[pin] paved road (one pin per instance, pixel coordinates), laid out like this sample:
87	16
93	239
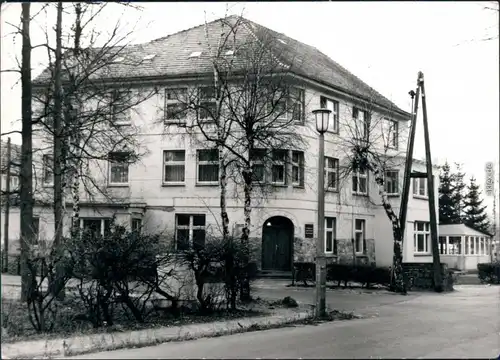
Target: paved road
462	324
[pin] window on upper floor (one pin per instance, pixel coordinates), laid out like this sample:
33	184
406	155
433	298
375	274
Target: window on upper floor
47	172
121	107
419	187
208	166
288	105
189	231
258	165
278	167
390	133
331	173
360	182
118	168
391	183
207	106
176	108
360	118
333	106
297	168
174	165
421	235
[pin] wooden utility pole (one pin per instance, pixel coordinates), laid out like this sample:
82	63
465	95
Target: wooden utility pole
438	281
7	209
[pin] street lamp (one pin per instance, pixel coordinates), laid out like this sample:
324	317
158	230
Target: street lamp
322	117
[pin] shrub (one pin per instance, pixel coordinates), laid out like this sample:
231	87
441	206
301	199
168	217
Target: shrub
367	275
304	271
118	269
489	272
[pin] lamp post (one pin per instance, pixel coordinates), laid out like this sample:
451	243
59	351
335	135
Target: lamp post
322	116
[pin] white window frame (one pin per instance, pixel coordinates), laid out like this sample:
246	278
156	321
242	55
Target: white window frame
426	232
204	163
360	122
390	133
388	180
258	160
333	231
416	188
361	231
299	165
134	221
359	175
301	94
102	220
14	182
201	100
280	163
182	93
122	117
333	117
334	170
112	163
191	227
173	163
47	168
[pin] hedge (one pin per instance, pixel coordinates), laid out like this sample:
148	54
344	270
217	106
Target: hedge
489	272
365	274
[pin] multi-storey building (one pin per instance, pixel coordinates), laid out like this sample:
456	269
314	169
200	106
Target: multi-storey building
172	189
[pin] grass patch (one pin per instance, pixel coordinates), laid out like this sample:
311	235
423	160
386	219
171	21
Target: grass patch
16	325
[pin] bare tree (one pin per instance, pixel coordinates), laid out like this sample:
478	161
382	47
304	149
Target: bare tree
373	144
248	113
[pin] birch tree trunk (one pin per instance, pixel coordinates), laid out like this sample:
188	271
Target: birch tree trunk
398	283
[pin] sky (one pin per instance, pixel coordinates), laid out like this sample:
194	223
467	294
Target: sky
383	43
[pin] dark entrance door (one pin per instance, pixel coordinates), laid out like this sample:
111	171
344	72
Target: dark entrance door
277	240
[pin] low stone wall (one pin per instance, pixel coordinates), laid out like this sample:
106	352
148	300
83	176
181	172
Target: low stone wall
14	265
421	276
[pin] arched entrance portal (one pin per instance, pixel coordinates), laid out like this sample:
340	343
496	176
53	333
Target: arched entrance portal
277	244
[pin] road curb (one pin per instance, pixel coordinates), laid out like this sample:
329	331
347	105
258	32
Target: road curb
140	338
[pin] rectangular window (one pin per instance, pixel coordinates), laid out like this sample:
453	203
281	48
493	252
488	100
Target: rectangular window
390	133
360	182
472	245
36	230
136	225
333	106
118	168
482	248
207	106
278	167
208	166
120	108
420	187
48	174
297	104
175	105
442	245
467	245
95	227
331	173
454	245
189	231
360	118
174	164
330	235
258	168
297	168
391	184
359	236
14	183
421	235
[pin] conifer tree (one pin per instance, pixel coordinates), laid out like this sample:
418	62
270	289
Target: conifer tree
458	190
448	210
475	214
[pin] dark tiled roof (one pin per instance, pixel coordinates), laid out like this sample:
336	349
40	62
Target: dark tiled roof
15	156
172	57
